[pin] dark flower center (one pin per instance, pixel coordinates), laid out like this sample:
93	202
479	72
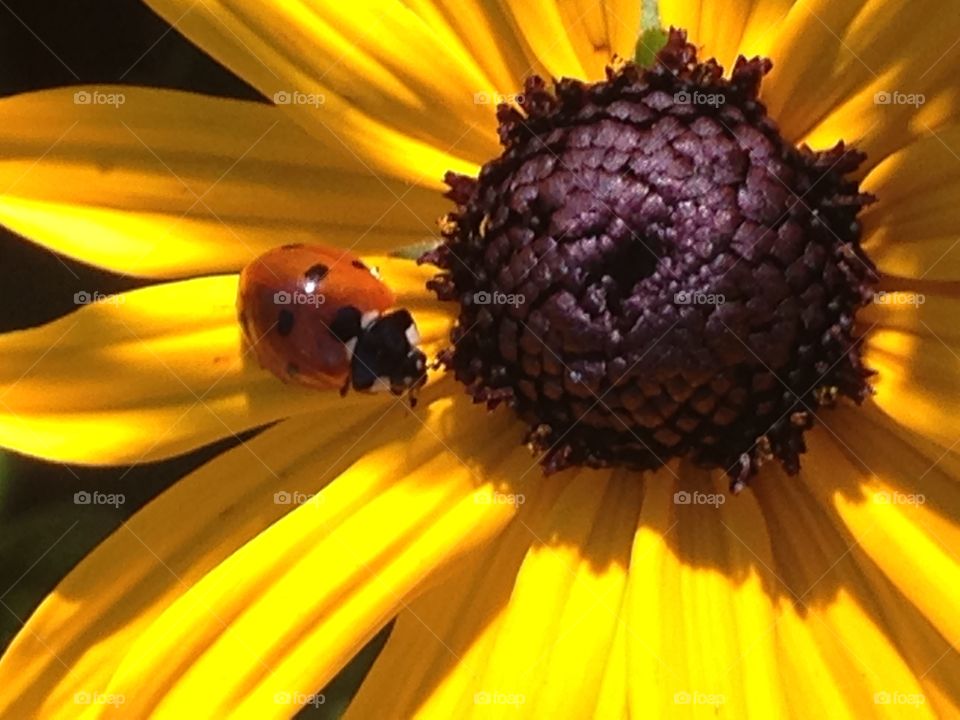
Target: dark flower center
650	270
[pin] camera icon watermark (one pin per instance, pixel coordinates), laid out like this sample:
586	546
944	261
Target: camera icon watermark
295	97
686	297
884	297
899	498
683	497
496	697
885	697
499	498
698	97
86	97
83	497
896	97
282	297
483	297
299	699
85	297
493	98
284	497
695	697
87	697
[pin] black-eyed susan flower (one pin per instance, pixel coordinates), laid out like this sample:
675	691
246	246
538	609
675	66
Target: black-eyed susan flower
663	281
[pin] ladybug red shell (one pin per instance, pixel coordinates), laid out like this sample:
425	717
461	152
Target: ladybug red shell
319	317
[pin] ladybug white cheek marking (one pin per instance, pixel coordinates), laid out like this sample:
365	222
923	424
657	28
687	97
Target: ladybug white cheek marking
381	386
367	319
413	336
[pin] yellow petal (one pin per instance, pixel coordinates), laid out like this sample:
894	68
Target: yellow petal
917	382
914	229
724	29
612	700
721	27
169	184
417	675
158	371
914	311
529	626
76	639
741	27
372	75
700	615
832	58
922	166
556	31
222	597
761	27
485	31
623	26
847	639
557	631
901	501
685	15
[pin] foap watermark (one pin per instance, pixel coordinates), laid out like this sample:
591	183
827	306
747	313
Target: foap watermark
283	497
87	697
895	697
883	297
696	697
85	97
682	497
497	697
296	97
299	699
282	297
899	498
895	97
84	497
686	297
89	298
492	98
498	298
685	97
499	498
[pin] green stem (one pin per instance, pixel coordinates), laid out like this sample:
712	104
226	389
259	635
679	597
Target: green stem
650	15
652	35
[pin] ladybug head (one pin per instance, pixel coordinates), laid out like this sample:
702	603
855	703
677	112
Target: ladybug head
384	352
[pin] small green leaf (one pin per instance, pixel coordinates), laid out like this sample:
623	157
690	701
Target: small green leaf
412	252
649	14
651	41
652	34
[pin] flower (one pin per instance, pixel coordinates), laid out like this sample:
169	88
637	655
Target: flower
245	587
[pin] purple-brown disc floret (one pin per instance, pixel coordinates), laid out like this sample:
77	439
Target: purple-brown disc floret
651	271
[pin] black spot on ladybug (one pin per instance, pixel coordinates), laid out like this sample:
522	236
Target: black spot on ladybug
346	323
359	264
285	323
316	273
291	246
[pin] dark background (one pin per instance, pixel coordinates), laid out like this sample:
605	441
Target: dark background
51	43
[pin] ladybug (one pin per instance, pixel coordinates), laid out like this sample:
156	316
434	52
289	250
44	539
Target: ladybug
318	316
